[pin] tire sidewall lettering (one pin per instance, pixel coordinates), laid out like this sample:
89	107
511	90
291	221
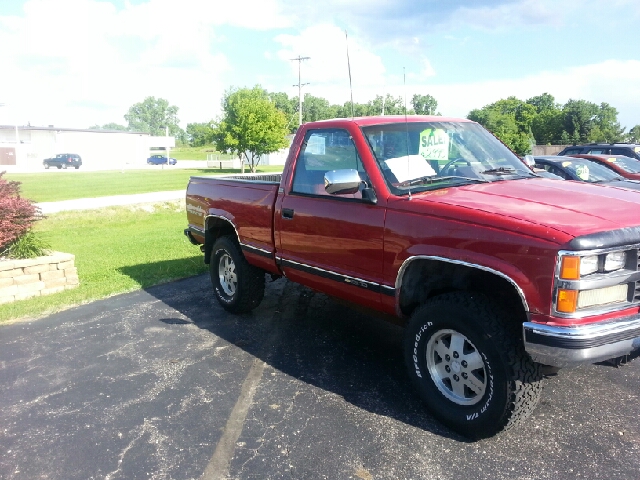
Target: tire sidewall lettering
418	336
465	413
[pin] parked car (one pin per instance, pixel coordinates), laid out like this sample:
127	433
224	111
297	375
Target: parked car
63	160
160	160
631	150
624	166
583	170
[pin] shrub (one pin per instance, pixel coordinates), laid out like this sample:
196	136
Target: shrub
28	245
16	214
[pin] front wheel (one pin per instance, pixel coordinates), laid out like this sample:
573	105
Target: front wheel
46	166
238	286
64	166
469	366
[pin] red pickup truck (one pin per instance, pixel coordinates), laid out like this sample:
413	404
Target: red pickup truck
499	276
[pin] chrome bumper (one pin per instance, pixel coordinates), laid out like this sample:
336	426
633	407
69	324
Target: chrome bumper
575	345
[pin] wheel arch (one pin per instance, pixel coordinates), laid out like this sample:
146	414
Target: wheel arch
216	226
423	277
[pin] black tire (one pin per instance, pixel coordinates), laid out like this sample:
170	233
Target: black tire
64	166
77	167
469	366
238	286
46	166
58	167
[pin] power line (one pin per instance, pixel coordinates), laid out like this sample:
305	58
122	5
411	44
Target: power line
299	59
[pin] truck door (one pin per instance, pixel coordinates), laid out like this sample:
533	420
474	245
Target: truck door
333	243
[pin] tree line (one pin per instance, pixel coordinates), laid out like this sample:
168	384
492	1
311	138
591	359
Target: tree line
520	124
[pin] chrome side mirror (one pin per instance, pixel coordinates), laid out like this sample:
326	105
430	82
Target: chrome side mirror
529	160
342	182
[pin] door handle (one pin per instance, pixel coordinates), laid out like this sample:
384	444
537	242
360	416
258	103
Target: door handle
287	213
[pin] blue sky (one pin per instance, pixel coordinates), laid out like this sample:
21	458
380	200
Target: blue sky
76	63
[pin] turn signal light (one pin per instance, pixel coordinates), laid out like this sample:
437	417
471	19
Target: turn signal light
570	268
567	301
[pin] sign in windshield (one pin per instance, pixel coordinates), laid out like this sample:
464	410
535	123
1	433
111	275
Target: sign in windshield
427	156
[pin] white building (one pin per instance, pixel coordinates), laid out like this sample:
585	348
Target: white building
24	148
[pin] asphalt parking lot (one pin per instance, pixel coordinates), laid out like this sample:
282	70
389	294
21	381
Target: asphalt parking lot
164	384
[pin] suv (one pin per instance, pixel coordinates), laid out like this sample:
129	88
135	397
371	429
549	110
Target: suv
627	149
63	160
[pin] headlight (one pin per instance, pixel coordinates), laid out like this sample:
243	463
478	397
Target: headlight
615	261
588	265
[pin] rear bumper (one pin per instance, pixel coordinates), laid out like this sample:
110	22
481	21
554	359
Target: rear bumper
189	235
575	345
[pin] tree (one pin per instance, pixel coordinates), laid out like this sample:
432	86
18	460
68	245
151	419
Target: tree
606	127
634	134
251	125
510	120
316	108
424	104
109	126
288	106
200	134
543	103
152	116
578	117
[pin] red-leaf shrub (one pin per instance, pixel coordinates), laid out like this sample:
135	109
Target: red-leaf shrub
16	214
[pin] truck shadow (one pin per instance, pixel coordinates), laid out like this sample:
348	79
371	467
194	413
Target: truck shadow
313	338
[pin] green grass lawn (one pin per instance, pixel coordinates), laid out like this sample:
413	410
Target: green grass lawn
197	153
118	249
68	185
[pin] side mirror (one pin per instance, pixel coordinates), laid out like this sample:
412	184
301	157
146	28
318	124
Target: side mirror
342	182
529	160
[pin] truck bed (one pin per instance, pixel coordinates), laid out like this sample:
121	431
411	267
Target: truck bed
246	177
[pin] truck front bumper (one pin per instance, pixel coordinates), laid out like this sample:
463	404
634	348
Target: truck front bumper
574	345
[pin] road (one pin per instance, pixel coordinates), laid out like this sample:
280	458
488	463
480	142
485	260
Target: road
164	384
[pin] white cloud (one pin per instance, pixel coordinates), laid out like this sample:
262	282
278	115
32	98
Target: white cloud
614	82
80	62
327	70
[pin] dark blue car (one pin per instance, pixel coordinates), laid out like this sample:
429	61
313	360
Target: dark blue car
160	160
583	170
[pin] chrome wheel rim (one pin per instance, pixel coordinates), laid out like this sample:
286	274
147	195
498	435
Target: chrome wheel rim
456	367
227	274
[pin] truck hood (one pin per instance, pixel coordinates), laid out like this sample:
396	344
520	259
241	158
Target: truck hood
556	210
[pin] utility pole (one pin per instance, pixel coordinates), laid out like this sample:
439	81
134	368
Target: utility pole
299	59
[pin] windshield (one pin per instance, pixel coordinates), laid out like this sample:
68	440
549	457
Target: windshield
590	171
628	164
426	156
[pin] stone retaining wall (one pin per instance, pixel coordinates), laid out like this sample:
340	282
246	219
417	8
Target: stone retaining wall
22	279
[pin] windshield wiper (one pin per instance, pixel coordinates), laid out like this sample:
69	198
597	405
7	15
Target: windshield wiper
500	170
430	179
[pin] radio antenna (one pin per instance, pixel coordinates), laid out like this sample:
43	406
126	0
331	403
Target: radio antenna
346	37
406	126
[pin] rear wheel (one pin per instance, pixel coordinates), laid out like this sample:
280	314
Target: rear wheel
46	166
64	166
469	366
238	286
58	167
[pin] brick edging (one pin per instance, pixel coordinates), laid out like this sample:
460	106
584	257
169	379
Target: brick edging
33	277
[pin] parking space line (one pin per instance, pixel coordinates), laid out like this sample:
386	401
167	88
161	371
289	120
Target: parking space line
218	467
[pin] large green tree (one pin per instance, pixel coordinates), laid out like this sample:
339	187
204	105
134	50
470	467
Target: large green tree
152	116
250	126
634	134
546	125
510	120
200	134
424	104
